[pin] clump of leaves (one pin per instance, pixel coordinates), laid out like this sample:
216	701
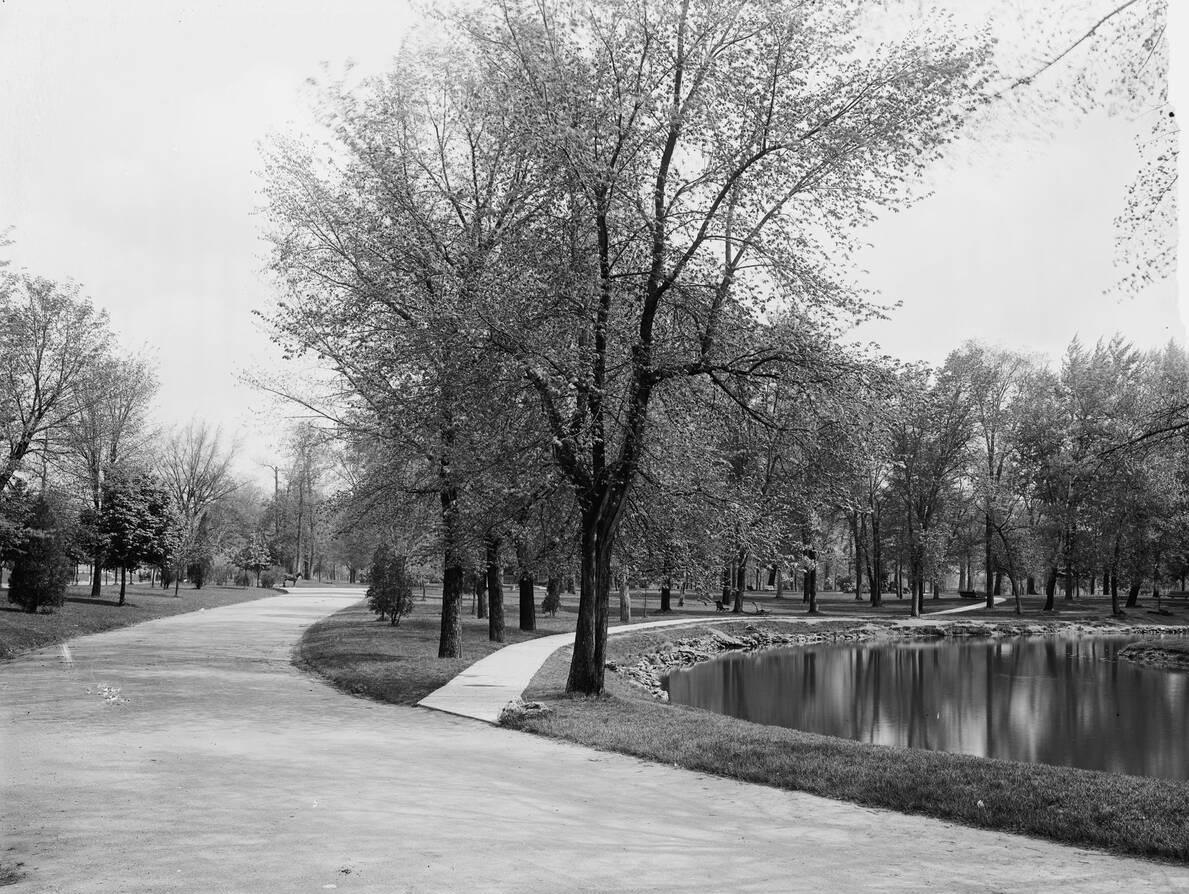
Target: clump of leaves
390	593
42	570
552	601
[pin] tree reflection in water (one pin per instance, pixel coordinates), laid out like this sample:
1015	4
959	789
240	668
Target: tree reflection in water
1053	701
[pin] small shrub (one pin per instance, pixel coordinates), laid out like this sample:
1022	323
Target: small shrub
221	572
242	578
551	603
391	592
42	570
268	579
198	572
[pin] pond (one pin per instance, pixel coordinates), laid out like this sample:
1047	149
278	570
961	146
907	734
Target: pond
1042	700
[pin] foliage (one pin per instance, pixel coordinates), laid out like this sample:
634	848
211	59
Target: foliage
42	569
390	591
252	557
552	602
136	520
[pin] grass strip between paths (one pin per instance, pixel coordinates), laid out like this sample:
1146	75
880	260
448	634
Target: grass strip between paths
1126	814
355	652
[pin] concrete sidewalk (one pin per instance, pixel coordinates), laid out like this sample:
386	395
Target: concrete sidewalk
484	689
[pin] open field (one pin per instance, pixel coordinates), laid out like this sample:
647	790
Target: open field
21	631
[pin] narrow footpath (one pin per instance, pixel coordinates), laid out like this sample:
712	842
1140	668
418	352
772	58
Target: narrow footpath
189	755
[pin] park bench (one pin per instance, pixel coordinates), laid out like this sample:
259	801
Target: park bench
290	577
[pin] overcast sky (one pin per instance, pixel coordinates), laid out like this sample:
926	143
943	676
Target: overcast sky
129	146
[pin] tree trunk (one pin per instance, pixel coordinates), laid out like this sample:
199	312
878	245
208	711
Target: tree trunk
625	599
740	582
1133	593
988	533
728	575
998	589
495	592
666	594
481	596
450	638
450	635
590	636
528	602
1115	577
123	581
811	581
858	541
96	581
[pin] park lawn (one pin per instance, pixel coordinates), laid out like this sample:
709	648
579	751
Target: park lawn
21	631
357	653
1126	814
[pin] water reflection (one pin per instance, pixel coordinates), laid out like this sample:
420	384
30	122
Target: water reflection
1052	701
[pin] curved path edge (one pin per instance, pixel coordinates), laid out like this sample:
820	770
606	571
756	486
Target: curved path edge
484	689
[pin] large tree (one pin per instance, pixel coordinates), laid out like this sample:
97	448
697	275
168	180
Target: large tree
51	343
716	157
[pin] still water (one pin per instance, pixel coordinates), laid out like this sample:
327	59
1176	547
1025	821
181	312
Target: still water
1052	701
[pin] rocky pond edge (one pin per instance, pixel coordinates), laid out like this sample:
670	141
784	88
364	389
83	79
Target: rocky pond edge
650	670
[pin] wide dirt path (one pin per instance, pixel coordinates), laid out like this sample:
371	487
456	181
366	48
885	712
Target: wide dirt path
187	754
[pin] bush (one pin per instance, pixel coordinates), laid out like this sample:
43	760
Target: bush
243	579
268	579
551	603
42	570
391	592
198	572
221	572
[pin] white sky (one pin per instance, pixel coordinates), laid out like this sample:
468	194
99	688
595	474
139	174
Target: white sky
129	146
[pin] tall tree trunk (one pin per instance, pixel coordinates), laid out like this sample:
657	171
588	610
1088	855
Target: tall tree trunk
779	582
1115	577
594	580
528	601
988	533
450	636
96	581
495	592
481	595
666	594
740	581
625	599
123	581
858	543
811	581
1133	593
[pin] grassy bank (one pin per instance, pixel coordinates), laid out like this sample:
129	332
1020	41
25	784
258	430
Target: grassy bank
21	631
1172	654
1126	814
355	652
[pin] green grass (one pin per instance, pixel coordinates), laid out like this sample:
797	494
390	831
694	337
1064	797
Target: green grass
359	654
21	631
1125	814
1172	654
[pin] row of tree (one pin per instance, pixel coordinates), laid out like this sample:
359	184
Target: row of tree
577	275
86	478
